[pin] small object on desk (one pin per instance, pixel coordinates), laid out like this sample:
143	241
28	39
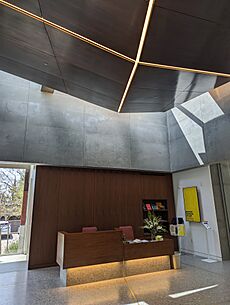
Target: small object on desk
136	241
177	228
173	230
159	237
89	229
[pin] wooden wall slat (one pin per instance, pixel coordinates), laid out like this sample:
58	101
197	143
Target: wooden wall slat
45	218
68	198
76	200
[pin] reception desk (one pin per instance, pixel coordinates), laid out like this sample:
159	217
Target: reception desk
103	255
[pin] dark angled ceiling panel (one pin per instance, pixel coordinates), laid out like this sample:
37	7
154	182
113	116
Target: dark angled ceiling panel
93	96
91	80
34	58
85	56
62	62
159	90
193	34
181	40
115	24
155	88
217	11
37	76
29	5
23	30
90	73
25	49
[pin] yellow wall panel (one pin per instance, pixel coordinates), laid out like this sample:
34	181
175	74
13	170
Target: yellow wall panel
191	204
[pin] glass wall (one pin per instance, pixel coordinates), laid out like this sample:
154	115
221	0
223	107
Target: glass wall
13	206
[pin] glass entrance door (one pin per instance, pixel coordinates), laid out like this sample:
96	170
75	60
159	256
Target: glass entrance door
13	207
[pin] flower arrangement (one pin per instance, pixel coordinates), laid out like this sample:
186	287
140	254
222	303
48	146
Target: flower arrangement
153	224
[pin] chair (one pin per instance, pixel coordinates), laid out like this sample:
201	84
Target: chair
127	232
89	229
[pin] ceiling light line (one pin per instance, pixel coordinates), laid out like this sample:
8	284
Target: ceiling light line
176	68
104	48
66	31
136	61
139	51
132	74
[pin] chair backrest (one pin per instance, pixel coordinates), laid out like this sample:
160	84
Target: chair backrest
89	229
127	232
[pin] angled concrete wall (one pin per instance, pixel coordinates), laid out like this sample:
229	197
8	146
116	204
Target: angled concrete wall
199	130
62	130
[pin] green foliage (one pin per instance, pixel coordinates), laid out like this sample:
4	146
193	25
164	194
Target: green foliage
13	247
11	191
153	224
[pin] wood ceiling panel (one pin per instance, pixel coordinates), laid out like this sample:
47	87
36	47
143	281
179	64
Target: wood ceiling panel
181	40
217	11
91	80
159	90
34	58
37	76
93	96
87	57
192	34
154	78
23	30
30	5
115	24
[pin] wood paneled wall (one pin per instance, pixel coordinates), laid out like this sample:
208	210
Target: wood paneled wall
66	199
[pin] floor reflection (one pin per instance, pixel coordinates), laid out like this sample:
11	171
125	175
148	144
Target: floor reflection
195	283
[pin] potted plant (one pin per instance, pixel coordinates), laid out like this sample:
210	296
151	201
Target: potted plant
153	224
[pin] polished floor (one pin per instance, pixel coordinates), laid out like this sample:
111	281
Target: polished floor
12	258
43	287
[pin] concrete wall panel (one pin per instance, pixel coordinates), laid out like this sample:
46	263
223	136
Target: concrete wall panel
62	130
217	138
203	137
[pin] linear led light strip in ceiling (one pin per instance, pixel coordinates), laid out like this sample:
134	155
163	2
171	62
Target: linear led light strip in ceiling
139	51
154	65
66	31
102	47
113	52
161	66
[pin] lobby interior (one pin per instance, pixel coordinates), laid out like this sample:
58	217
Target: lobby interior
113	110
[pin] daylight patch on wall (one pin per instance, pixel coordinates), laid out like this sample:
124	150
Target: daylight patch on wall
192	132
203	107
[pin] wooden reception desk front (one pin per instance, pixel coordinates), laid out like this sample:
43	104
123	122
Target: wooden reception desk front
103	255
